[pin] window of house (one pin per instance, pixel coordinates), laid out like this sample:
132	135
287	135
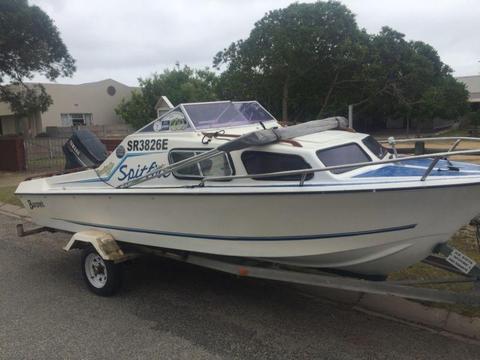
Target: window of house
217	166
76	119
342	155
262	162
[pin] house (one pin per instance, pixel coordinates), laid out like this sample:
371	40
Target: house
473	87
83	104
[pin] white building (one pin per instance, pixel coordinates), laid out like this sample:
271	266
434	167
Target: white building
83	104
473	87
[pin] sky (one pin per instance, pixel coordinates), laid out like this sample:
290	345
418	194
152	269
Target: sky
128	39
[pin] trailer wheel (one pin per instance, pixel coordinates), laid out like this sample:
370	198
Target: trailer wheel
102	277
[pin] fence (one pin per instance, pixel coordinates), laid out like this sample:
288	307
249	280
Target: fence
102	131
12	154
42	154
46	154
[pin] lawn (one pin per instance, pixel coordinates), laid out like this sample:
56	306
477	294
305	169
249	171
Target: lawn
465	241
7	195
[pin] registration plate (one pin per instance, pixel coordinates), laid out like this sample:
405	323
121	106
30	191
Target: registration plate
461	261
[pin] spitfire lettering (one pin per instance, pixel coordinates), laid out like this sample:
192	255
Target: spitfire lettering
147	145
134	173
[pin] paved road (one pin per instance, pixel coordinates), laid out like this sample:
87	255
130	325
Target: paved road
175	311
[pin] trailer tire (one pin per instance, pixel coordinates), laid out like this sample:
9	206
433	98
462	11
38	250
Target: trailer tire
102	277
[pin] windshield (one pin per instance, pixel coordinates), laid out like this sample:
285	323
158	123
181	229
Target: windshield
375	147
220	114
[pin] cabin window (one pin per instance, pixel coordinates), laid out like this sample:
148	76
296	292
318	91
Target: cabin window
219	165
375	147
261	162
342	155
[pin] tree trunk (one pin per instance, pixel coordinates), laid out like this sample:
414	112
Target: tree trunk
408	124
329	93
285	101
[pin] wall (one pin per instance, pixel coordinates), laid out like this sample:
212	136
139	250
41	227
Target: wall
8	125
90	98
111	144
13	154
102	131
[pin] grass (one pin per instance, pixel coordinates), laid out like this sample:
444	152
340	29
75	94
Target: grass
465	241
455	132
7	195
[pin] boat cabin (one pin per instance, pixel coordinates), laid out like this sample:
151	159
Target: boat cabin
192	129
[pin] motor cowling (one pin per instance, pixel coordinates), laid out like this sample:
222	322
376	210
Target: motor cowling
84	149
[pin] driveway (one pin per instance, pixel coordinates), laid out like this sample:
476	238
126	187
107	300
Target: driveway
169	310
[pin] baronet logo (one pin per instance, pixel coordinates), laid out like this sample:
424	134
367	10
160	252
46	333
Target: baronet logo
35	204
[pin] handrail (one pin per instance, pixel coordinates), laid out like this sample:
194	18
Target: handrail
441	138
392	142
338	167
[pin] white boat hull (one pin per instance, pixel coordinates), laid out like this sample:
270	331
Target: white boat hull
364	231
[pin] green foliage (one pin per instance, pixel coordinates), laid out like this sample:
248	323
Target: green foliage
411	82
293	55
179	85
29	44
26	99
308	61
311	60
474	118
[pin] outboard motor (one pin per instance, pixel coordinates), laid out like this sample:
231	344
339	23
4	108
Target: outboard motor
84	149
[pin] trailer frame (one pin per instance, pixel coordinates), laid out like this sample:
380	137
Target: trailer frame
445	257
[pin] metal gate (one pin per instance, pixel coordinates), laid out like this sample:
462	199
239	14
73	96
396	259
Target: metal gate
44	154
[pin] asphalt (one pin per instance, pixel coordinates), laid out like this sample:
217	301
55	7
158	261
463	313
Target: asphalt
168	310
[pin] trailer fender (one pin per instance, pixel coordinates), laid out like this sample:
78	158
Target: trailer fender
103	242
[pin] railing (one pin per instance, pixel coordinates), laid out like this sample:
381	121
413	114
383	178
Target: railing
304	172
392	141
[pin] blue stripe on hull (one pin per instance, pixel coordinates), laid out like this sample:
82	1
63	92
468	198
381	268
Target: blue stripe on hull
245	238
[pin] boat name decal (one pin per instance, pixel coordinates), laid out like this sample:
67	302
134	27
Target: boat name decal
35	204
134	173
147	145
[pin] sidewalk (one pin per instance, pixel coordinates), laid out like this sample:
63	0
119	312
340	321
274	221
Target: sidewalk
14	210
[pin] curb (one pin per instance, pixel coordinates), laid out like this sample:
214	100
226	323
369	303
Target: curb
14	210
443	321
395	308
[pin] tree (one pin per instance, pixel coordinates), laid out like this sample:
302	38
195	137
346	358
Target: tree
29	44
408	80
309	61
300	54
180	85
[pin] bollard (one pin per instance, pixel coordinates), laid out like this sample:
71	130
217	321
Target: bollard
419	147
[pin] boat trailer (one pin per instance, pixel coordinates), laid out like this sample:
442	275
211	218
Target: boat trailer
103	256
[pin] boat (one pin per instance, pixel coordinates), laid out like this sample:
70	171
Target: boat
226	178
